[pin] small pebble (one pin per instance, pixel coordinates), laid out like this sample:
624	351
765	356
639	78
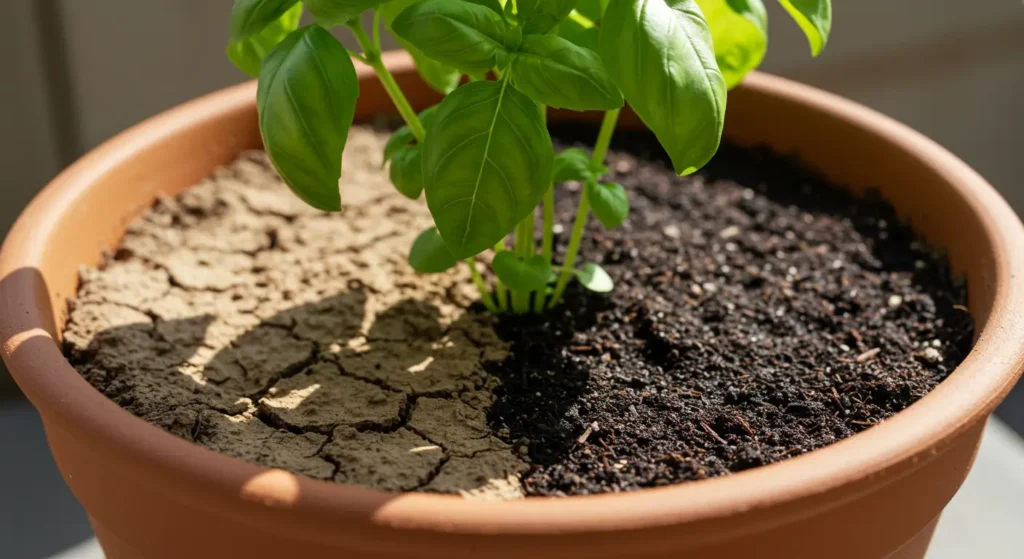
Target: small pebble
895	301
931	355
672	232
729	232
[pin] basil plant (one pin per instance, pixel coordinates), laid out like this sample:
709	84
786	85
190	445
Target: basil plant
482	158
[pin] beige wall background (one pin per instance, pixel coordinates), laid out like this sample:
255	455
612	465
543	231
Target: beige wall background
79	71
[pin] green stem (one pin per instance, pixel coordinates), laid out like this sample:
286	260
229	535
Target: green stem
547	242
485	295
376	30
372	55
529	241
521	299
501	290
604	139
581	19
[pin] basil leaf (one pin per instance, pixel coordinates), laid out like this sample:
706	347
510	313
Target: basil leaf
739	30
594	278
572	164
429	254
557	73
404	136
494	5
609	203
407	171
439	77
401	139
815	19
578	29
486	164
306	100
463	35
330	13
660	54
248	53
540	16
579	34
592	9
250	17
519	275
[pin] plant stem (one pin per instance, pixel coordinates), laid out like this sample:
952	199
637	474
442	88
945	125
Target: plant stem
376	30
485	295
521	299
372	55
501	290
548	233
581	19
604	139
547	244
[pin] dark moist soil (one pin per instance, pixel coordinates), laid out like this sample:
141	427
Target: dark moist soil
759	313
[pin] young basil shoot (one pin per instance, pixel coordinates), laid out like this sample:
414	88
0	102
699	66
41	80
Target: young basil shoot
483	157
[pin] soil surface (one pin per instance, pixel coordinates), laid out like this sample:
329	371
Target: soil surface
759	313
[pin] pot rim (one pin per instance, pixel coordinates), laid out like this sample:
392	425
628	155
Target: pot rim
767	495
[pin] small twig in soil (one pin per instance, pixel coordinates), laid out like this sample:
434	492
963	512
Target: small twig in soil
746	426
583	438
868	355
835	396
712	432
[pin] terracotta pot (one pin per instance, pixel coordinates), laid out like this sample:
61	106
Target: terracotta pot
151	494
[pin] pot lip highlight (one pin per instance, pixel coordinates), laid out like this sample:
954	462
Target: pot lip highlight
749	501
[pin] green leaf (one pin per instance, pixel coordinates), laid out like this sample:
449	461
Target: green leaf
509	13
579	34
578	29
429	254
572	164
739	30
407	171
494	5
330	13
401	139
404	137
519	275
609	203
248	53
540	16
594	278
463	35
660	54
815	19
442	78
306	100
592	9
553	71
486	164
250	17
